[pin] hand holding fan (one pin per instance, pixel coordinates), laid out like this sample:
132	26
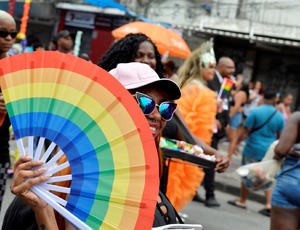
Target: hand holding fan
98	127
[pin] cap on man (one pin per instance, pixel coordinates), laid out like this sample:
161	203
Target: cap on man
64	42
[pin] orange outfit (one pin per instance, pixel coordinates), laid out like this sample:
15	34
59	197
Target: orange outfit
198	105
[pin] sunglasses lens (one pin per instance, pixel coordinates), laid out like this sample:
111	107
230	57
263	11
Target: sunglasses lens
4	34
13	34
167	110
147	104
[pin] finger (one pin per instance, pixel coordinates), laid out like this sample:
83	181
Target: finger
21	160
26	165
28	184
20	185
222	166
21	175
221	169
27	174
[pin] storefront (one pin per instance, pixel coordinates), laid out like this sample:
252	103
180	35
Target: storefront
95	23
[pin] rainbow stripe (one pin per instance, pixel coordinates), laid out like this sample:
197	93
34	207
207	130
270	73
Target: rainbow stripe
226	87
90	116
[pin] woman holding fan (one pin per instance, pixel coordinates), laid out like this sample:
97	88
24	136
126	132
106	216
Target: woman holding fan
155	97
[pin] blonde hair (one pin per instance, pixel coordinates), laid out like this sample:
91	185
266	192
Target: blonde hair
191	69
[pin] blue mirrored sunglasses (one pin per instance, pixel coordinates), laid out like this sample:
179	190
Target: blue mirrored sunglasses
147	105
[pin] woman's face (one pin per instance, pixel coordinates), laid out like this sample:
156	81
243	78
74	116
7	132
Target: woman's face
258	85
6	43
66	43
288	100
156	122
146	54
208	73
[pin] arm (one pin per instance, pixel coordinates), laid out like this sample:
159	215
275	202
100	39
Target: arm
288	137
24	179
208	149
45	219
222	161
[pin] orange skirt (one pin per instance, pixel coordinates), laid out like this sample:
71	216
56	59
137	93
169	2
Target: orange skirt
183	182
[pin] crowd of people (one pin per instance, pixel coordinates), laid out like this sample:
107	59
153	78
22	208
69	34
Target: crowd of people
206	114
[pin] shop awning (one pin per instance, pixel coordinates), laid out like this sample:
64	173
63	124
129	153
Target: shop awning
89	8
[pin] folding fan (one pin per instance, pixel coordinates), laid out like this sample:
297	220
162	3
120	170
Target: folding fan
100	129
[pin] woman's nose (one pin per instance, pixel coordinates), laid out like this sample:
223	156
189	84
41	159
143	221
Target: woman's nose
146	60
156	113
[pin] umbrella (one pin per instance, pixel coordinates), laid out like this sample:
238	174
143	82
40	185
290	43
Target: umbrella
98	127
165	39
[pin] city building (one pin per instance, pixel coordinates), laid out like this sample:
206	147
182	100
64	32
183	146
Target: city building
262	36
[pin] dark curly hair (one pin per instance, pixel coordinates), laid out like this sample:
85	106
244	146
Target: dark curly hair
124	51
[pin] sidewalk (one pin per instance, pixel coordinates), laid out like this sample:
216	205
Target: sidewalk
229	181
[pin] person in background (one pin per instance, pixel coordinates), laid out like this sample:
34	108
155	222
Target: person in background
8	33
285	198
85	56
198	106
255	98
170	70
285	106
263	126
133	47
38	46
240	97
52	45
64	42
225	69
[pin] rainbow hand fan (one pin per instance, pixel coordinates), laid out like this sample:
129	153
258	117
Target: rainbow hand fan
100	129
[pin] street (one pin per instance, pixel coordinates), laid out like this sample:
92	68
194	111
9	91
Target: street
225	217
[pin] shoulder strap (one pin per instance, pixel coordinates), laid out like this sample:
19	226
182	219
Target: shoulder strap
176	213
262	125
187	136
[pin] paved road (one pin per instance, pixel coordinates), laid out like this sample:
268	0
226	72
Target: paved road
227	217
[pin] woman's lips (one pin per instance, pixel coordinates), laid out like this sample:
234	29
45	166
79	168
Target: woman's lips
154	128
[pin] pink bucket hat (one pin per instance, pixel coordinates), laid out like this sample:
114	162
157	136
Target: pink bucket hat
135	75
